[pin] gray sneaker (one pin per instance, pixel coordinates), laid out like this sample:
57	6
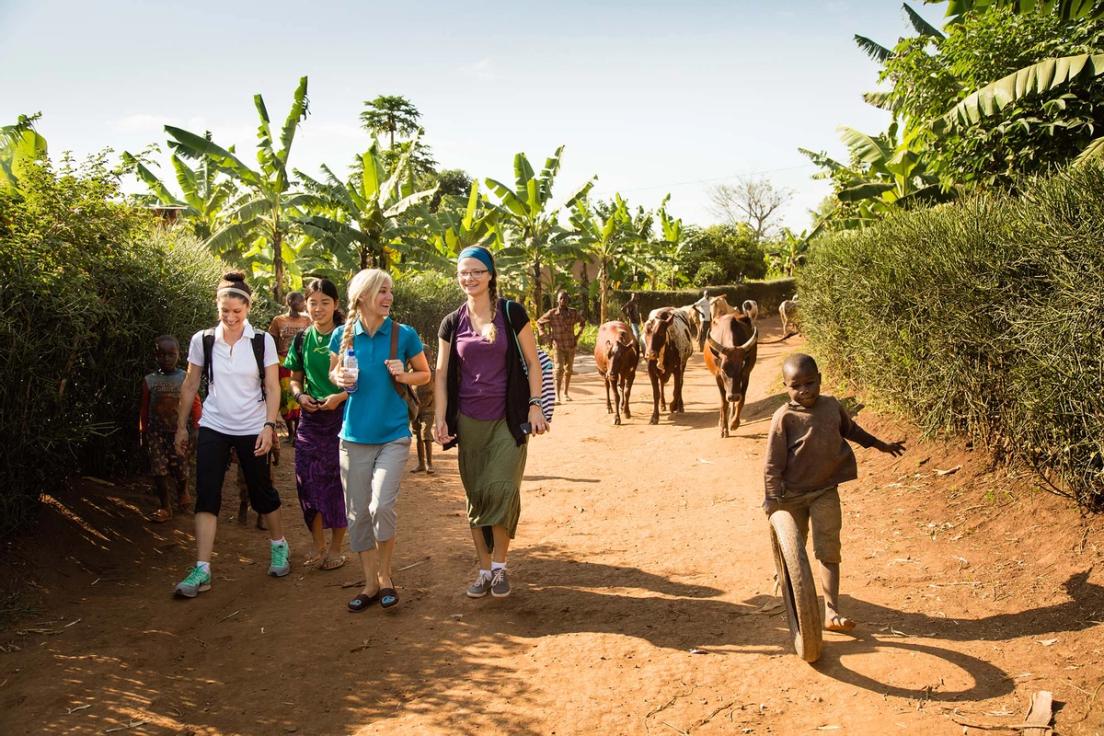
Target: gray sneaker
197	582
281	561
500	583
480	588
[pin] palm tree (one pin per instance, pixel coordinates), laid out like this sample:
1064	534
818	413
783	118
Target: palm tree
390	115
365	212
263	217
204	193
528	211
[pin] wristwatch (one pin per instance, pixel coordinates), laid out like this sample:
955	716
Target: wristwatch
270	424
535	401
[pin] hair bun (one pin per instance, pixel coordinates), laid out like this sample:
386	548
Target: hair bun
234	276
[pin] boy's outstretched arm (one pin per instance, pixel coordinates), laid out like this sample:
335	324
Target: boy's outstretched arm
850	429
774	466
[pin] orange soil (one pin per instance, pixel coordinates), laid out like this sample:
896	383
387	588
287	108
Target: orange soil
642	601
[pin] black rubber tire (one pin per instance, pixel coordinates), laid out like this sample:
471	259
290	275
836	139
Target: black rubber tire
795	578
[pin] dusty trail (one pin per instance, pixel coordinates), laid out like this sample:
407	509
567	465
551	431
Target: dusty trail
641	573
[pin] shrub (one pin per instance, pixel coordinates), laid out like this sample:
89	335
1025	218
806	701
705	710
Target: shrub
984	318
91	282
423	300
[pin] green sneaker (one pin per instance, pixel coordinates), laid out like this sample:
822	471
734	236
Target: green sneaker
198	581
281	560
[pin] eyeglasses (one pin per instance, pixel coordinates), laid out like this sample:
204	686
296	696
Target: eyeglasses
475	273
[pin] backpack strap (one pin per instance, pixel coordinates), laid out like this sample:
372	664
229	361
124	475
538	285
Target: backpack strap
297	348
399	389
208	350
259	354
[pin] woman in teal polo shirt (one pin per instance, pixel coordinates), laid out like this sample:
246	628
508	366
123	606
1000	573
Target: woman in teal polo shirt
375	434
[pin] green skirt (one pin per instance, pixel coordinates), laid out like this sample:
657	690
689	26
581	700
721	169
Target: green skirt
491	468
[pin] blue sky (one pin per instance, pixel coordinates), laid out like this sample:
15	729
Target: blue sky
653	97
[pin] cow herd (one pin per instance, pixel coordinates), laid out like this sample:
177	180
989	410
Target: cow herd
729	346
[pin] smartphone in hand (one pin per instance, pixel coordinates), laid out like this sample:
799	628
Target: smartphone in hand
526	428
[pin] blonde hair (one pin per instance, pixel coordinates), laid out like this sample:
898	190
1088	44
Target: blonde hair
365	286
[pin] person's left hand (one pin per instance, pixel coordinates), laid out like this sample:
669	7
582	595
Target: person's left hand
896	449
537	420
332	402
264	441
395	367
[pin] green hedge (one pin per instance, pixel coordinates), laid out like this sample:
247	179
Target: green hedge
90	283
769	294
985	318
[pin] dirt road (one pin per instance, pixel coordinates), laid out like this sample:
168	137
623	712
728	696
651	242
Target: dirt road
642	602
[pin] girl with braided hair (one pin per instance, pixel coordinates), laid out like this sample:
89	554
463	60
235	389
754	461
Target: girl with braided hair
375	431
486	404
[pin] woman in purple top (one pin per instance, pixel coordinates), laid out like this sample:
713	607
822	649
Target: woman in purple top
487	398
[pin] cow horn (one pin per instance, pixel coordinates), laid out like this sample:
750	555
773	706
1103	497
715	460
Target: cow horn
751	341
714	345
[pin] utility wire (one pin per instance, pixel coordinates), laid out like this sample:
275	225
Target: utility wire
710	180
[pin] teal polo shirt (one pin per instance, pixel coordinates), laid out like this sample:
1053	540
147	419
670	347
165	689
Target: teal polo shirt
374	413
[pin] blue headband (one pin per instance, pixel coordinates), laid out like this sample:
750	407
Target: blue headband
479	253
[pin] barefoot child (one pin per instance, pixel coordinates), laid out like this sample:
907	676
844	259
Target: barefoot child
807	458
157	426
422	424
284	328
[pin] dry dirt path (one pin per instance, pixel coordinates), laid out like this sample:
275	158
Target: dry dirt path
641	572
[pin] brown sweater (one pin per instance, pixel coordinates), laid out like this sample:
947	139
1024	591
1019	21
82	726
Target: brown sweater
807	449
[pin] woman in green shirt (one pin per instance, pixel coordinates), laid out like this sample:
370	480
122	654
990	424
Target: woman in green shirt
317	468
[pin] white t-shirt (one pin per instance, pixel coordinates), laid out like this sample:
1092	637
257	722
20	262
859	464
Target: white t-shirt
233	404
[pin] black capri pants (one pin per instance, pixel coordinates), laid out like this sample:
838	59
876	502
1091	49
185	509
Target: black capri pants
212	457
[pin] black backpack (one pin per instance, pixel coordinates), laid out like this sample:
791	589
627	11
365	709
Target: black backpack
258	353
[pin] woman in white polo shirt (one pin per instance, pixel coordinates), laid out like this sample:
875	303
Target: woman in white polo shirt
240	412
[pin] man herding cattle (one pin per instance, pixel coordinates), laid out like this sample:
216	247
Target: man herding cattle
561	322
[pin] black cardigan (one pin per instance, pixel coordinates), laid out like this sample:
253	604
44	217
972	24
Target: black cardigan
517	383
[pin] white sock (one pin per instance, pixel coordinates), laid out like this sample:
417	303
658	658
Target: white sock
485	574
497	566
278	542
205	566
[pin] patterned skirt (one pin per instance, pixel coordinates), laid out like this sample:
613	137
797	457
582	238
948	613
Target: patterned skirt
289	407
317	468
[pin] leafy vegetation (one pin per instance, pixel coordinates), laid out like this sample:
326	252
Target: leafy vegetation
985	318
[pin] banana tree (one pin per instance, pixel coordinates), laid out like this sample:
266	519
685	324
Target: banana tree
453	230
1067	9
610	241
20	144
265	216
527	210
204	191
367	211
791	251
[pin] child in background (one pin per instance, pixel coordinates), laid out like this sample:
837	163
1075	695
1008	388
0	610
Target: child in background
283	329
422	424
807	458
157	427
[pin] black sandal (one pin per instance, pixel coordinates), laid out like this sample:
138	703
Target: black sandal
362	601
388	597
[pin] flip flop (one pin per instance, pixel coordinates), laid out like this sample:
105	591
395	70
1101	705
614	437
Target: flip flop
846	625
362	602
332	563
388	597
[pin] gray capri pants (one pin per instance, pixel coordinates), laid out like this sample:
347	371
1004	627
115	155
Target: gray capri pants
370	475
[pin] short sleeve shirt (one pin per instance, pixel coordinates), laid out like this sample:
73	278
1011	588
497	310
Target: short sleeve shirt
314	363
375	413
234	405
164	399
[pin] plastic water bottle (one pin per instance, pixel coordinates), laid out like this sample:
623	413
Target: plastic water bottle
352	369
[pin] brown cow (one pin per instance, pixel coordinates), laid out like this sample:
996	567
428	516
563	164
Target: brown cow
730	353
616	354
667	348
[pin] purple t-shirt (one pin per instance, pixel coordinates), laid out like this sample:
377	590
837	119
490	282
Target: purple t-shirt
482	369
